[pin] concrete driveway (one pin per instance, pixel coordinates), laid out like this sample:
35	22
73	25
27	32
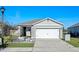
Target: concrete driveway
52	45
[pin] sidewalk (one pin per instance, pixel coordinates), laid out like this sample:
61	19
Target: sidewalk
16	50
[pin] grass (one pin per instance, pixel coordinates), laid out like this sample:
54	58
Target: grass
20	45
74	42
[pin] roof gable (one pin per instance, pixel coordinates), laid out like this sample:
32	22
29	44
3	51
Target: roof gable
36	21
48	19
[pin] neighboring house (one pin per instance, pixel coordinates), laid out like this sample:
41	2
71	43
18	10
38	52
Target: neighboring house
41	28
12	32
74	30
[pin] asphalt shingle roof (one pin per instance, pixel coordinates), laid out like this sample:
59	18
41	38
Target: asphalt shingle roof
30	22
75	25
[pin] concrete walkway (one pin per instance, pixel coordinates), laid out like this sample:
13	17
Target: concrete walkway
52	45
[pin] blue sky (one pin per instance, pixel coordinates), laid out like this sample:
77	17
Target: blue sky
68	15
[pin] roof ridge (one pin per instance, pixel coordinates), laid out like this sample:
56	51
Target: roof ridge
35	21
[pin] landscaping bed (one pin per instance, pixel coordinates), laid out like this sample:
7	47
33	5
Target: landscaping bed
74	42
8	42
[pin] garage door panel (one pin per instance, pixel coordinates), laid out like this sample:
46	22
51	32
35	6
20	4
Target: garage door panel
47	33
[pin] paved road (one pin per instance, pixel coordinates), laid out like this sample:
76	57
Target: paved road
49	45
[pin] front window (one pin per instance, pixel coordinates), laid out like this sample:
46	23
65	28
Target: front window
28	29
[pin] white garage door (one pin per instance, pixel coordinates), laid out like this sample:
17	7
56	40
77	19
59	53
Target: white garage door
47	33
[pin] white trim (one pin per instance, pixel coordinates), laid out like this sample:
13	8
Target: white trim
54	20
49	19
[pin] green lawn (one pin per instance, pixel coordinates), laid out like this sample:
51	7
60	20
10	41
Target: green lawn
74	42
20	45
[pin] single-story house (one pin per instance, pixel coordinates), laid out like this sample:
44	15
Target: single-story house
41	28
74	30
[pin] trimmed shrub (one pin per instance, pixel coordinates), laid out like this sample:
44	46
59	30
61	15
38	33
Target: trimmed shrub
7	39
